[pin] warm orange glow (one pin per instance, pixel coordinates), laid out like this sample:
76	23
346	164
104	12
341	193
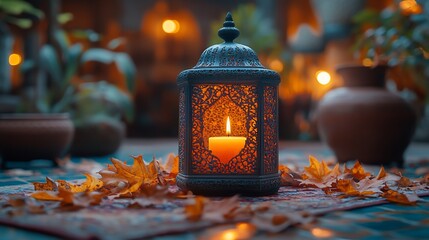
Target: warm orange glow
410	7
367	62
226	147
276	65
323	77
321	233
228	127
170	26
14	59
229	235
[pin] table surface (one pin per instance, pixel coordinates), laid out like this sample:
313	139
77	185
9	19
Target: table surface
385	221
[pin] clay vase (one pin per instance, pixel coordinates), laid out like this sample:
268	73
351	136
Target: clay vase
25	137
363	121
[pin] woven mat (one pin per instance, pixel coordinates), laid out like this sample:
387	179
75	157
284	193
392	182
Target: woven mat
115	221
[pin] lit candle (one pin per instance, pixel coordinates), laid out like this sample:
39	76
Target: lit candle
226	147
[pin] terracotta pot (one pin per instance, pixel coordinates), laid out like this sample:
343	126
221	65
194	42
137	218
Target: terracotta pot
362	121
25	137
97	138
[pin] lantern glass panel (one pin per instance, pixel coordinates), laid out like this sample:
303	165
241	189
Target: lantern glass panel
212	104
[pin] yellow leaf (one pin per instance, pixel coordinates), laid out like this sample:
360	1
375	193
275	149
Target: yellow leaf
46	196
48	186
91	184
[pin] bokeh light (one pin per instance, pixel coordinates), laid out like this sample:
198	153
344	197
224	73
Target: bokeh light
276	65
170	26
15	59
323	77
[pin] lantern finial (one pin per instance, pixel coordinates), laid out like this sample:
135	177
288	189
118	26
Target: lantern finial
228	32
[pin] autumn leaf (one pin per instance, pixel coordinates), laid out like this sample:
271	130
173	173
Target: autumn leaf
381	174
357	171
50	185
46	196
401	198
319	174
171	166
365	187
288	177
405	182
91	184
215	211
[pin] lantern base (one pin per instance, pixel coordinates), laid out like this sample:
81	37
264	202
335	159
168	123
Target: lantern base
221	185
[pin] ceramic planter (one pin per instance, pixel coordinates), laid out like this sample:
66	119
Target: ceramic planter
364	121
25	137
98	138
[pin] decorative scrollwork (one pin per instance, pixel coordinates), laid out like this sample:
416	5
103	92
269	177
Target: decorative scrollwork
270	130
182	128
241	102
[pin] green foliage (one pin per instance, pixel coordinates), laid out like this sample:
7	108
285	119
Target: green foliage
100	99
256	31
10	11
89	98
396	38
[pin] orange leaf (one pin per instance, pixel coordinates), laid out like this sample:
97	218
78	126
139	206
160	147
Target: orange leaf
194	211
172	164
397	197
381	174
46	196
357	171
405	182
288	177
319	174
91	184
48	186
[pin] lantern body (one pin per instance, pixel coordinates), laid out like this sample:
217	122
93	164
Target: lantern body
228	85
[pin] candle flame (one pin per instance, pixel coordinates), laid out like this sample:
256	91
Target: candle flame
228	127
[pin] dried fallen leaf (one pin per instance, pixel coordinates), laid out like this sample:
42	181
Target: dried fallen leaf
288	177
401	198
46	196
405	182
357	171
50	185
319	174
215	211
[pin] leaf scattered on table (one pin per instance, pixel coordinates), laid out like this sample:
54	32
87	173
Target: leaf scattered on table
50	185
401	198
357	171
319	174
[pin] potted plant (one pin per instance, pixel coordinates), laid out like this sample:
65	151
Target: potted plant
61	95
96	107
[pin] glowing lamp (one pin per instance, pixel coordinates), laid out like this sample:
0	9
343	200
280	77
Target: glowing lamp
228	121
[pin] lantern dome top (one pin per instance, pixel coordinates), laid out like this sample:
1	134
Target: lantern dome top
228	53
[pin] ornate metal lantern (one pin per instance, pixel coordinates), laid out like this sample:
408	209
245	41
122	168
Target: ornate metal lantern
228	121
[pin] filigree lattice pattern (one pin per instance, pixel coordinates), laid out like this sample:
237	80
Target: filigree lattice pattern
182	128
214	119
203	98
270	130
